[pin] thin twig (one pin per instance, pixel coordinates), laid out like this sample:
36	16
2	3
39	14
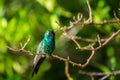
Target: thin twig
108	40
99	73
115	15
105	75
67	70
20	50
88	60
87	39
90	14
72	38
100	23
64	59
99	40
68	35
26	43
74	63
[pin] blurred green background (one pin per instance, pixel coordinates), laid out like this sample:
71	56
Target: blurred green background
20	19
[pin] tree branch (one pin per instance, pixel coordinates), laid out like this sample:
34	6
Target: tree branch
104	75
67	70
74	63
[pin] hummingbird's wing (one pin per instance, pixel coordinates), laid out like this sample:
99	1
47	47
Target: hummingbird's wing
37	62
39	58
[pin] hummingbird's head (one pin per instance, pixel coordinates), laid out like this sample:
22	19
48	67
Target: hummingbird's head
49	35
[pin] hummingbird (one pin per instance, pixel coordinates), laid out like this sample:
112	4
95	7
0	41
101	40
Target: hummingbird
45	47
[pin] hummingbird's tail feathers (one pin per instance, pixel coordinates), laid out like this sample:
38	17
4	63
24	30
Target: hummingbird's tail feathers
37	64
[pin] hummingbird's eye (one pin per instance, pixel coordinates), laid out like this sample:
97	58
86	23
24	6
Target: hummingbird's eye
50	33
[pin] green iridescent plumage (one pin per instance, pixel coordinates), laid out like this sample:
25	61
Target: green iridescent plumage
46	46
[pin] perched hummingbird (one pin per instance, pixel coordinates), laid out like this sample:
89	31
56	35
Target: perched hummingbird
46	46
